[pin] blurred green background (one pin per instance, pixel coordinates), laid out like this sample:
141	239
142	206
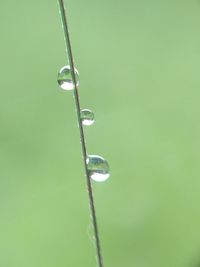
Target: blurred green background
139	65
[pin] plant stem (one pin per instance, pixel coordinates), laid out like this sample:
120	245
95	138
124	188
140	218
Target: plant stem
82	138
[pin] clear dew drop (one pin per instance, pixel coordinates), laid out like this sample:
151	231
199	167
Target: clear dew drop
87	117
98	168
65	78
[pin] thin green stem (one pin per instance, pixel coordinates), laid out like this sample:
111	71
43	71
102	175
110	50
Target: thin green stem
82	138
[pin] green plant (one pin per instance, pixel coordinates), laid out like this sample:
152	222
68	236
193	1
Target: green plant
96	167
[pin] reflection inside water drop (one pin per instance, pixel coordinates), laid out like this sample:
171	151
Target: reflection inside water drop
65	78
98	168
87	117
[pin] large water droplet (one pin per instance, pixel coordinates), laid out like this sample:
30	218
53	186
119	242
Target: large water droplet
65	78
98	168
87	117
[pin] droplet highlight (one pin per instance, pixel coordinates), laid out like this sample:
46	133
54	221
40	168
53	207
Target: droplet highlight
65	78
98	168
87	117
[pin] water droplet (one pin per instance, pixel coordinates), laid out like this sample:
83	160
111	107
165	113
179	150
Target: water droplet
65	78
87	117
98	168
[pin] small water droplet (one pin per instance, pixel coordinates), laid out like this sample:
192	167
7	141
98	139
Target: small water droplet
98	168
87	117
65	78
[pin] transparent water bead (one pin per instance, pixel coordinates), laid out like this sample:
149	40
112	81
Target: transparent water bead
98	168
65	78
87	117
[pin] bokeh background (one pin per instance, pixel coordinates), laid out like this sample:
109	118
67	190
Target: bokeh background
139	65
